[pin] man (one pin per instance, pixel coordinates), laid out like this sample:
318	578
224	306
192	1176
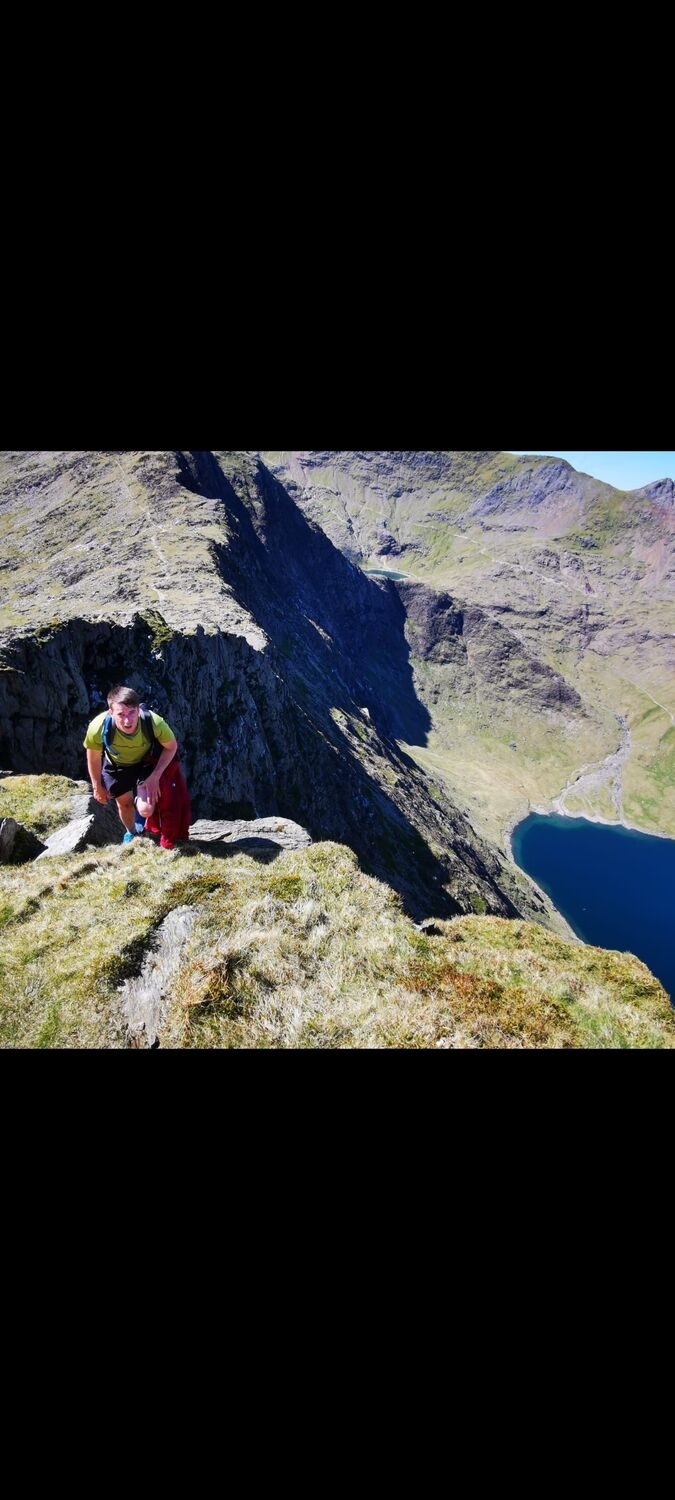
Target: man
115	768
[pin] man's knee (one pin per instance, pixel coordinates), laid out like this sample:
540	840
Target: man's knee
125	801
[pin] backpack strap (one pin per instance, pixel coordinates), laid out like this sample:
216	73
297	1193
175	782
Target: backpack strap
156	745
148	728
107	731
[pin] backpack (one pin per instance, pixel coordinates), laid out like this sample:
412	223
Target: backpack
147	730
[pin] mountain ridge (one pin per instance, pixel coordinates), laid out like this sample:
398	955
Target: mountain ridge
281	695
292	680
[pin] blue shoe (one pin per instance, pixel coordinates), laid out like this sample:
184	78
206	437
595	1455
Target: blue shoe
128	837
139	824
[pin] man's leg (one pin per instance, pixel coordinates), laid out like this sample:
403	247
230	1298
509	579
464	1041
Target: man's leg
127	811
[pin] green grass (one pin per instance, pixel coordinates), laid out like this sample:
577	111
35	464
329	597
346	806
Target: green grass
41	803
159	630
306	952
662	767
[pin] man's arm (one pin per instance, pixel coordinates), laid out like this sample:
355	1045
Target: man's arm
94	761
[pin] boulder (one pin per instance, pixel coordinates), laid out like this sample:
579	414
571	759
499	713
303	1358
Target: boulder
8	832
93	825
71	839
17	844
145	999
267	830
107	824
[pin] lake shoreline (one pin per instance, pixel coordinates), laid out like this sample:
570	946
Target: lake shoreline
550	811
615	892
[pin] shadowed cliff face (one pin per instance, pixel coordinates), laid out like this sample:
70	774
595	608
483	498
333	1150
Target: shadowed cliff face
478	655
285	699
216	692
341	632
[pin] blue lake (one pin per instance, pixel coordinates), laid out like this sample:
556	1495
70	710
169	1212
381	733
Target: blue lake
615	887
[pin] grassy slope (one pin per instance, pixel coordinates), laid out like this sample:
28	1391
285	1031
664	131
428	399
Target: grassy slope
40	803
634	681
302	952
621	675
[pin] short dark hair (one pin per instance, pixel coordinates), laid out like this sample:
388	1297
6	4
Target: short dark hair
126	695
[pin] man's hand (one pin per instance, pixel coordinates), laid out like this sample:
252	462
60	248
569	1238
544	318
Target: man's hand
101	794
152	788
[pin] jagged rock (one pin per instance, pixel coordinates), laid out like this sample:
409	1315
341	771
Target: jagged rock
144	998
71	839
478	653
8	830
17	844
662	491
108	828
272	830
92	826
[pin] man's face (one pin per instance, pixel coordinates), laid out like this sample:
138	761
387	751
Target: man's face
124	717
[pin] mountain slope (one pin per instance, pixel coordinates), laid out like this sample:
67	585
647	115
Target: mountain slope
581	575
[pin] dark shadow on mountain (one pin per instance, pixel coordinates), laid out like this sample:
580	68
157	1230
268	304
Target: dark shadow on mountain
311	600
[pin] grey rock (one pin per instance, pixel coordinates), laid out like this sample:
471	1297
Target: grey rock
144	999
17	844
93	826
662	491
108	827
71	839
272	830
8	831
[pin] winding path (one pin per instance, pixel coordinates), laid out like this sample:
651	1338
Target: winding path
667	711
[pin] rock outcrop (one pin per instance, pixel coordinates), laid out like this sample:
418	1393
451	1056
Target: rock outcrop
18	844
144	999
209	833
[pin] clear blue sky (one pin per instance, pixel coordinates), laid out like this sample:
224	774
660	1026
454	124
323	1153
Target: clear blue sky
626	470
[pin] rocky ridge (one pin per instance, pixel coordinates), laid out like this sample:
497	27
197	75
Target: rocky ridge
284	671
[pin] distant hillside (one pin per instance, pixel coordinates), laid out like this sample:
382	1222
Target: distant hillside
582	577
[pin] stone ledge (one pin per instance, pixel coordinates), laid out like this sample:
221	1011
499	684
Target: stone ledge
279	831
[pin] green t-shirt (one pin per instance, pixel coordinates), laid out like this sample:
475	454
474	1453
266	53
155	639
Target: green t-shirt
126	749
